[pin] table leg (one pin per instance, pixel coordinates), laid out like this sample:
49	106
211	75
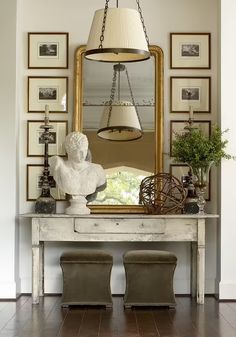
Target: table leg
201	262
35	260
193	269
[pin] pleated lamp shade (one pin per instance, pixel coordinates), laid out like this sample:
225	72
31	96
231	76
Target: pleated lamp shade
124	38
123	124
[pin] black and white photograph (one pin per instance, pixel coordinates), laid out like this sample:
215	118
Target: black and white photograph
52	138
57	135
48	93
50	90
186	92
190	50
190	94
48	50
34	184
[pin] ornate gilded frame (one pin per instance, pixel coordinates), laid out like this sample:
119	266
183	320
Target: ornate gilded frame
157	53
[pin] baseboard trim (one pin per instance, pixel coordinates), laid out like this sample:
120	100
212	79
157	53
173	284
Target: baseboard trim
227	291
113	295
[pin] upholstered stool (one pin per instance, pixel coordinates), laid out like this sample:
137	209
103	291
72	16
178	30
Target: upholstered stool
86	277
149	278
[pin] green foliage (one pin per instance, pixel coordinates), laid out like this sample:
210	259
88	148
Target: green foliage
122	189
198	150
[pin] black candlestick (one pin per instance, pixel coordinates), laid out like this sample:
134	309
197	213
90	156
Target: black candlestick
46	203
190	206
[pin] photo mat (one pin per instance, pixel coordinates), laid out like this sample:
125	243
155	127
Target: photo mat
35	144
190	92
190	50
48	50
52	91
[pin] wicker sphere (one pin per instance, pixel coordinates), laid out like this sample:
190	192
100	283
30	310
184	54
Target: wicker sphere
162	194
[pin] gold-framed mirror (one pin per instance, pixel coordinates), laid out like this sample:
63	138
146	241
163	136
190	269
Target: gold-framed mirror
86	108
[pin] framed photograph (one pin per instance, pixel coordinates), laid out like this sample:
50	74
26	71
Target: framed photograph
52	91
48	50
190	50
190	92
181	170
34	184
35	145
178	127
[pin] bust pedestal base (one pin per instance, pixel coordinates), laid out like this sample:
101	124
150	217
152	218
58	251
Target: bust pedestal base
78	206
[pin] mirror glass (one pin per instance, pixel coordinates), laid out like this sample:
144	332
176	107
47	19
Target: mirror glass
126	162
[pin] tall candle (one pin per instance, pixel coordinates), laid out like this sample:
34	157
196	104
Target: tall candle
47	111
190	112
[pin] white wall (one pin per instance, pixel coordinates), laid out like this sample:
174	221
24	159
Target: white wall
161	18
228	183
8	151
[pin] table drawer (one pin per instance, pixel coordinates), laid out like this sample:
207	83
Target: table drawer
121	226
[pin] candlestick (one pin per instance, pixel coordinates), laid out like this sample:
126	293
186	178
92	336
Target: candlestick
45	202
46	114
190	112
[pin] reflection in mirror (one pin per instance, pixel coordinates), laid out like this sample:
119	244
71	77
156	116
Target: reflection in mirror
126	162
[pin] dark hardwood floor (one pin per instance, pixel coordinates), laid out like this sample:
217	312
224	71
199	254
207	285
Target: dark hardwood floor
48	319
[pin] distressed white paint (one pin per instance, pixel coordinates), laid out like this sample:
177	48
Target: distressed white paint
65	229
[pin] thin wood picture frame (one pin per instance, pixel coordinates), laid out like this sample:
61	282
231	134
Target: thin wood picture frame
48	50
35	145
190	50
190	91
177	126
33	184
47	90
179	170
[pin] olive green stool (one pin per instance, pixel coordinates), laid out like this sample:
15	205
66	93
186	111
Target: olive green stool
149	278
86	277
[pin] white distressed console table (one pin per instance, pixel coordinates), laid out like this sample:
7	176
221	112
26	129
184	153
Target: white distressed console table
124	228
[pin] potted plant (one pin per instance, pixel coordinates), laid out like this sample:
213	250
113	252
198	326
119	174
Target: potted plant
200	152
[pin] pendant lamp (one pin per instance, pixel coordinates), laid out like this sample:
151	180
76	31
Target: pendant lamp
118	35
120	120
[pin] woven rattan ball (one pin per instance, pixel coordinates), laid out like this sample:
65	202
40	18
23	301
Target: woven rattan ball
162	194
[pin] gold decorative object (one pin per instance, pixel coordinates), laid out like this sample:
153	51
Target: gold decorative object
78	117
162	194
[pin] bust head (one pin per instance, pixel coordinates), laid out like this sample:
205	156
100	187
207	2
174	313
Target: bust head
77	176
76	145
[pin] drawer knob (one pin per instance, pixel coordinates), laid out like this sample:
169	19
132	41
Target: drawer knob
117	223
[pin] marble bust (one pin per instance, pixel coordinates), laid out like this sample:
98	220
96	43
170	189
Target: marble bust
76	175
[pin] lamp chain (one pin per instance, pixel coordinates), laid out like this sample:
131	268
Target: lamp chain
113	90
103	24
142	20
132	96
